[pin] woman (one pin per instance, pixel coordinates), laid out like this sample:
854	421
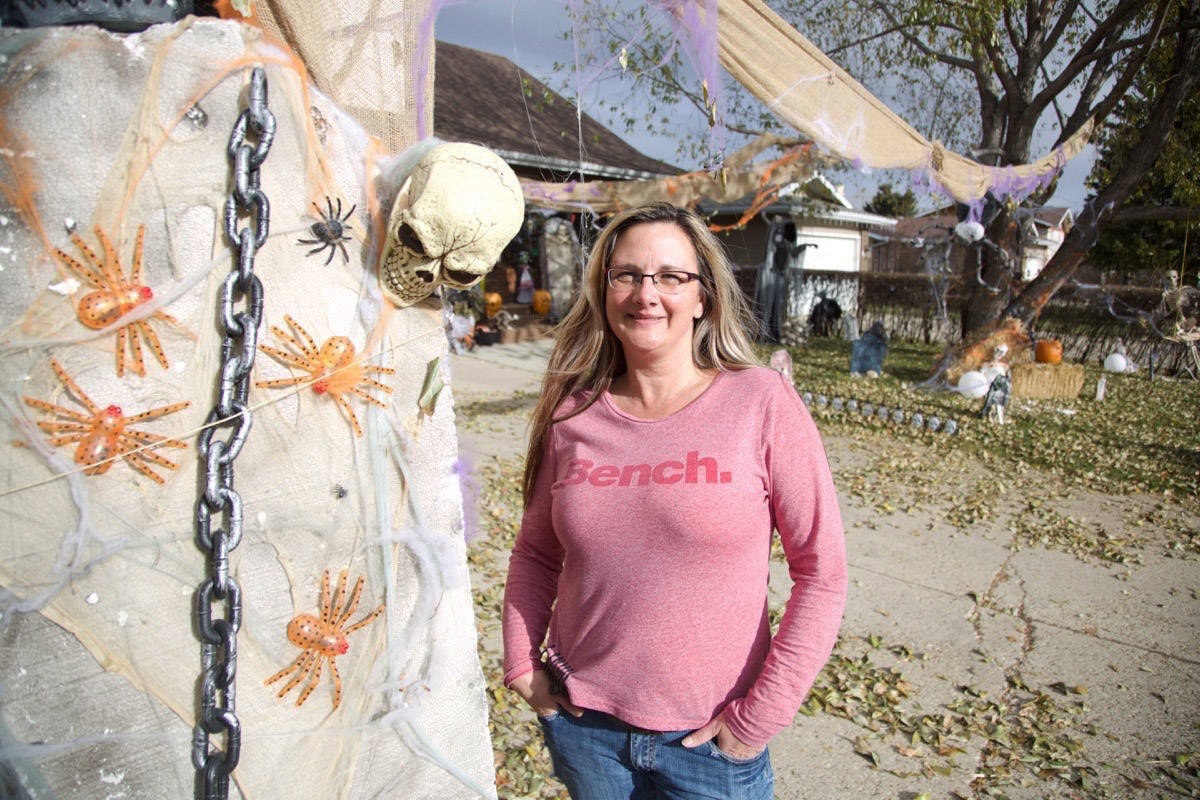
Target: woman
660	460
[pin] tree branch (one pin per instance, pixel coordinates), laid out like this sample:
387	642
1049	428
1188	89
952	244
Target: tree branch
1134	214
945	58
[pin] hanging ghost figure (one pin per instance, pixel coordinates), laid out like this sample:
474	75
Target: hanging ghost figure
458	208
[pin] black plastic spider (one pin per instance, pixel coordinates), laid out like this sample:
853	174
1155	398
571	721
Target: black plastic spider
329	231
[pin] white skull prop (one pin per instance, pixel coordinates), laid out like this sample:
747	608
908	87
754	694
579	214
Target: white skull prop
458	208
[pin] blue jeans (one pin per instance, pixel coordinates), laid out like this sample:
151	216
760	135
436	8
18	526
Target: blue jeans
598	757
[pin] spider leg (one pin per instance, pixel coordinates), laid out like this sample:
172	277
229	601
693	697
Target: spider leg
157	412
112	266
83	272
148	455
68	439
311	349
152	340
134	460
287	358
122	335
337	684
309	241
332	252
317	249
289	668
135	350
73	387
135	270
165	318
326	608
345	255
275	384
352	605
317	208
341	401
50	426
362	622
301	673
380	370
357	392
145	437
348	213
66	412
89	255
313	682
329	204
375	385
339	598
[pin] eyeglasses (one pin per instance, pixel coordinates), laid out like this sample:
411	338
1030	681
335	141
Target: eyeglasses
668	282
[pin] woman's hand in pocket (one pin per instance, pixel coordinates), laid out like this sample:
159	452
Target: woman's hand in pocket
534	687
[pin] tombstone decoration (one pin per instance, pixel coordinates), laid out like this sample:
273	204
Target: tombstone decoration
850	327
918	420
808	398
951	427
868	409
882	412
822	400
781	362
995	403
838	404
867	352
112	651
1101	385
898	416
852	405
934	423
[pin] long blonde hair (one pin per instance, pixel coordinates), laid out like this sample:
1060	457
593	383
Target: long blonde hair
587	355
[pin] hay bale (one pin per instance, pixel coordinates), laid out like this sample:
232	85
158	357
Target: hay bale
1047	381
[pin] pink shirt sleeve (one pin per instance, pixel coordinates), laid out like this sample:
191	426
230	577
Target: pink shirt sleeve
533	570
805	512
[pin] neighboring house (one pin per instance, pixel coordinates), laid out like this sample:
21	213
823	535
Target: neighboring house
913	240
833	241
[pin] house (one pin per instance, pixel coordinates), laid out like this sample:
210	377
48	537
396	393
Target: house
832	238
487	99
914	239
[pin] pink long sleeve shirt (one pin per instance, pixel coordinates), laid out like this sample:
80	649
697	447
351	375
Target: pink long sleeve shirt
650	540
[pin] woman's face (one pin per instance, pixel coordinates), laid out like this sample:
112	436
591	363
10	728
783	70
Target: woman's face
650	323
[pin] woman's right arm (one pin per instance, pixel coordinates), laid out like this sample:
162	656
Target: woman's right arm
533	570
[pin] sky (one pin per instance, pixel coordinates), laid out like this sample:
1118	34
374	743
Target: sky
529	33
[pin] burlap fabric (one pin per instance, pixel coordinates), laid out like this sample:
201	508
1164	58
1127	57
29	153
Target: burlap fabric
99	657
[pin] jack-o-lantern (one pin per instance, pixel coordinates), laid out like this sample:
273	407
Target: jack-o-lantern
492	303
541	302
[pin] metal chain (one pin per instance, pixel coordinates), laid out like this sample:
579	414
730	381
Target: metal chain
218	648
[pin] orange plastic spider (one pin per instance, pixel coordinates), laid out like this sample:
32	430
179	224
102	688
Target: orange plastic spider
115	297
322	639
333	365
105	433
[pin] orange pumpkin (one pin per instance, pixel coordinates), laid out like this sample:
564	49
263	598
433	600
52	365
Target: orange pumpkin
493	302
1048	351
541	302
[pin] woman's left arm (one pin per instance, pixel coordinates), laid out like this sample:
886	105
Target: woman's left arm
805	511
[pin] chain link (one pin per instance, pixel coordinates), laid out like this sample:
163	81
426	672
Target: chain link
218	648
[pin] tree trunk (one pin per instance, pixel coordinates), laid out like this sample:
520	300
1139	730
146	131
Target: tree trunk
989	277
1024	309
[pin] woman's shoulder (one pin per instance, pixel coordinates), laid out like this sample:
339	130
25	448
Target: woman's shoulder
762	379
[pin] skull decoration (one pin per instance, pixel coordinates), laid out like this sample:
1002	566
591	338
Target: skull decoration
458	208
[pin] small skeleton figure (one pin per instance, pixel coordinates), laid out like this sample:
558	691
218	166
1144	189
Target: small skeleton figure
995	402
329	232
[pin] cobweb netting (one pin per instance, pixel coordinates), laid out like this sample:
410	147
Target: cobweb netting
99	689
817	98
